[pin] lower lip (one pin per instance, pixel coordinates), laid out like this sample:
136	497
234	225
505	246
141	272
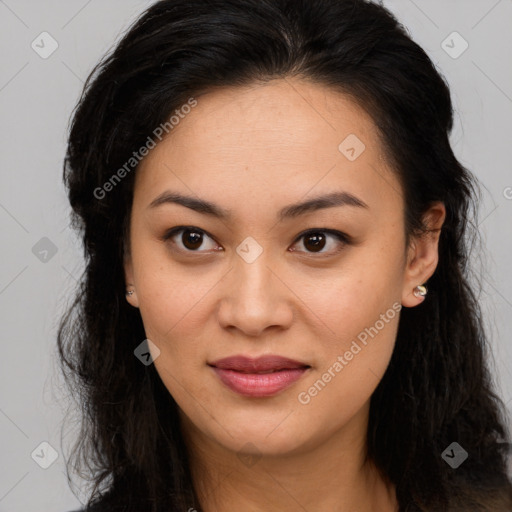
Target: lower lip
259	384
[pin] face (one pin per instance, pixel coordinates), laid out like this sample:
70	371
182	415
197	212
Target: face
250	275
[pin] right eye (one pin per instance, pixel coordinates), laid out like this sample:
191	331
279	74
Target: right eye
190	238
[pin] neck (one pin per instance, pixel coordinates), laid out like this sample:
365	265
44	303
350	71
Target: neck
333	475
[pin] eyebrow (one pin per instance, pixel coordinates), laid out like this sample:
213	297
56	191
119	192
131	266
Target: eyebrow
291	211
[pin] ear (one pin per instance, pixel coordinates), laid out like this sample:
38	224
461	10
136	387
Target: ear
129	280
423	255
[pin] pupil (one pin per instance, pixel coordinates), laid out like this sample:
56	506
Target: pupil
318	241
191	239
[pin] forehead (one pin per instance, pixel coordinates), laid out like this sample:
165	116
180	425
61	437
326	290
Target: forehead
282	138
283	113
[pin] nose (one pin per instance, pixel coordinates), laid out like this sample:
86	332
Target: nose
255	298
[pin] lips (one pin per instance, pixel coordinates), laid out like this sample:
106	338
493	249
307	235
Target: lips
260	377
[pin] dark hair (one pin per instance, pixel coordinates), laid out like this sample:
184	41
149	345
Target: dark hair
437	388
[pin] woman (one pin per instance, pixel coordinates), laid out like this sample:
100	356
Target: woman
275	313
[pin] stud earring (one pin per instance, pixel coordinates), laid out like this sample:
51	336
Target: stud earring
129	293
420	291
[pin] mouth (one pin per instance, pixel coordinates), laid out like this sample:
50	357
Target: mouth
261	377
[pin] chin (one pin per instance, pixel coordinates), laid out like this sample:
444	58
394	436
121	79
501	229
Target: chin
264	436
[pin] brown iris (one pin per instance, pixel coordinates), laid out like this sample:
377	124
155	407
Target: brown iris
191	239
314	241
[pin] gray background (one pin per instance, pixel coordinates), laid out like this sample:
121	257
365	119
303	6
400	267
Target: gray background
36	99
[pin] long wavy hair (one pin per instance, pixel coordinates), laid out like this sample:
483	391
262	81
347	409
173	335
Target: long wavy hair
437	388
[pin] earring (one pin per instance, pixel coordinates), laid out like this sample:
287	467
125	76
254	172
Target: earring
420	291
129	293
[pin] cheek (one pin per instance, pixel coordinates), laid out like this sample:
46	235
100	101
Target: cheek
360	308
351	370
165	291
170	308
352	298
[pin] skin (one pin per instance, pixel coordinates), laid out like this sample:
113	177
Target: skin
254	150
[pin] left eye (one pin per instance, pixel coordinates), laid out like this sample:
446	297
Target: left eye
315	240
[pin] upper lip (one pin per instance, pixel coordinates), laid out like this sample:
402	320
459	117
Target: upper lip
259	364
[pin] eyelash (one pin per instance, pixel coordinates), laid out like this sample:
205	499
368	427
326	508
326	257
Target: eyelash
342	237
